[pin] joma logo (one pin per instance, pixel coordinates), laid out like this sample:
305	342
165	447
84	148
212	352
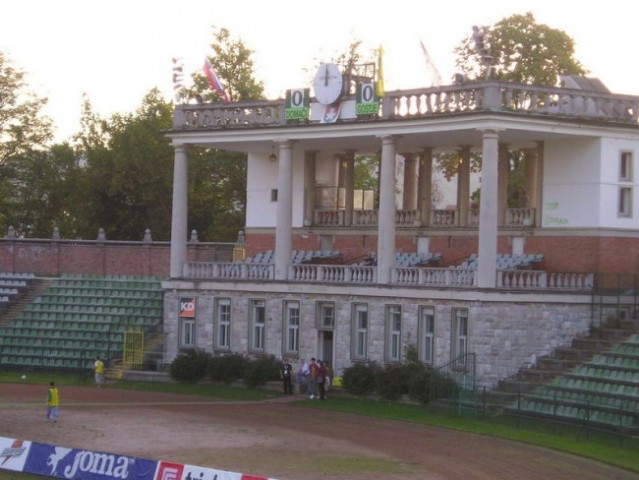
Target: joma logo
99	464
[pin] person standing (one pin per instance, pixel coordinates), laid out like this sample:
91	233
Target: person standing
53	403
302	377
286	373
98	368
311	386
321	377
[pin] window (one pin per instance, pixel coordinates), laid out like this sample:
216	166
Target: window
223	324
187	333
426	332
291	327
459	329
359	342
326	316
393	333
274	195
625	166
257	325
625	202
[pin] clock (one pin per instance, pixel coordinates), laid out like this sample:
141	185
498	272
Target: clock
328	83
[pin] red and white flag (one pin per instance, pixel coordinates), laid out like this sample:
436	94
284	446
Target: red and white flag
214	81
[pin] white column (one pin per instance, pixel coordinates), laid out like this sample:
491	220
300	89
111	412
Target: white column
425	190
463	186
179	212
349	185
387	210
310	158
410	182
503	171
487	255
284	224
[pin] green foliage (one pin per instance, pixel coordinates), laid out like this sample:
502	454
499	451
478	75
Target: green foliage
44	192
365	175
22	127
217	193
261	370
227	368
419	386
129	169
361	378
190	366
523	51
233	64
395	380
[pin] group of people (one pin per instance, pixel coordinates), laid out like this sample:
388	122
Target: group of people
312	378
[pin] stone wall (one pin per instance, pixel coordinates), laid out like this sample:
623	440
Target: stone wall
504	334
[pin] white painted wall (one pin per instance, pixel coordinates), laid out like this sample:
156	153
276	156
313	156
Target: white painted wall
571	185
261	179
581	183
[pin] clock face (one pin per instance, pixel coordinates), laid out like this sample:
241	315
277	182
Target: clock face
327	83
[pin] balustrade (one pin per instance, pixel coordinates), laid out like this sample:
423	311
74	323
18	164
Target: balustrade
428	102
443	218
408	276
520	217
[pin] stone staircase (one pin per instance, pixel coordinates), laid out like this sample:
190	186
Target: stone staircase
595	380
35	287
564	359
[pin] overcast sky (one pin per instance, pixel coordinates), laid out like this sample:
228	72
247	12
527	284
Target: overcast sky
115	51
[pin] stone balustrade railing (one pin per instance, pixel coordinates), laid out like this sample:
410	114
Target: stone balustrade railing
515	217
434	101
443	218
530	280
535	279
360	274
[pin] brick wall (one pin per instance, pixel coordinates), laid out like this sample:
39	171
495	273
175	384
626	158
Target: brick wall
52	258
587	254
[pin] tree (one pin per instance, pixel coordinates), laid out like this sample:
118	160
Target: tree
217	179
22	126
45	192
129	166
519	50
516	49
23	129
234	66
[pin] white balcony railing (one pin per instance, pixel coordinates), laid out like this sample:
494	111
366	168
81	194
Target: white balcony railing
406	276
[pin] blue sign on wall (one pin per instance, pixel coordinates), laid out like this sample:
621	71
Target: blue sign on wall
76	464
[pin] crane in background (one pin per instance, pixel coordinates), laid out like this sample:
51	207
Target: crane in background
433	73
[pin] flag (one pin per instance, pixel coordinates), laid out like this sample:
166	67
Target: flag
379	85
214	82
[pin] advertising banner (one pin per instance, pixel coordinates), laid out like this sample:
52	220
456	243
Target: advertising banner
72	463
13	453
76	464
187	307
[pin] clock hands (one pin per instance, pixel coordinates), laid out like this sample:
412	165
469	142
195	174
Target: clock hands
326	75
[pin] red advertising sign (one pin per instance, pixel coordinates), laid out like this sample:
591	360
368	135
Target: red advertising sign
187	307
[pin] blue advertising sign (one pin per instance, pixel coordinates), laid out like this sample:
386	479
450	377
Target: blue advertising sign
76	464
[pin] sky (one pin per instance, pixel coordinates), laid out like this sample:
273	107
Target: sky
115	51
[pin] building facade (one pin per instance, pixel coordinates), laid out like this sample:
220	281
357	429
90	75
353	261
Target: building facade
508	280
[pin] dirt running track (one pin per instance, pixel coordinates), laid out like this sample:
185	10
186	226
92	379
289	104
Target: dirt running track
278	439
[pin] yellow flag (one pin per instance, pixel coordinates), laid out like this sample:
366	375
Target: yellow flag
379	85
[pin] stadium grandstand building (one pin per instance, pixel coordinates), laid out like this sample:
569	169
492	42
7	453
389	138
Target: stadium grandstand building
326	270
